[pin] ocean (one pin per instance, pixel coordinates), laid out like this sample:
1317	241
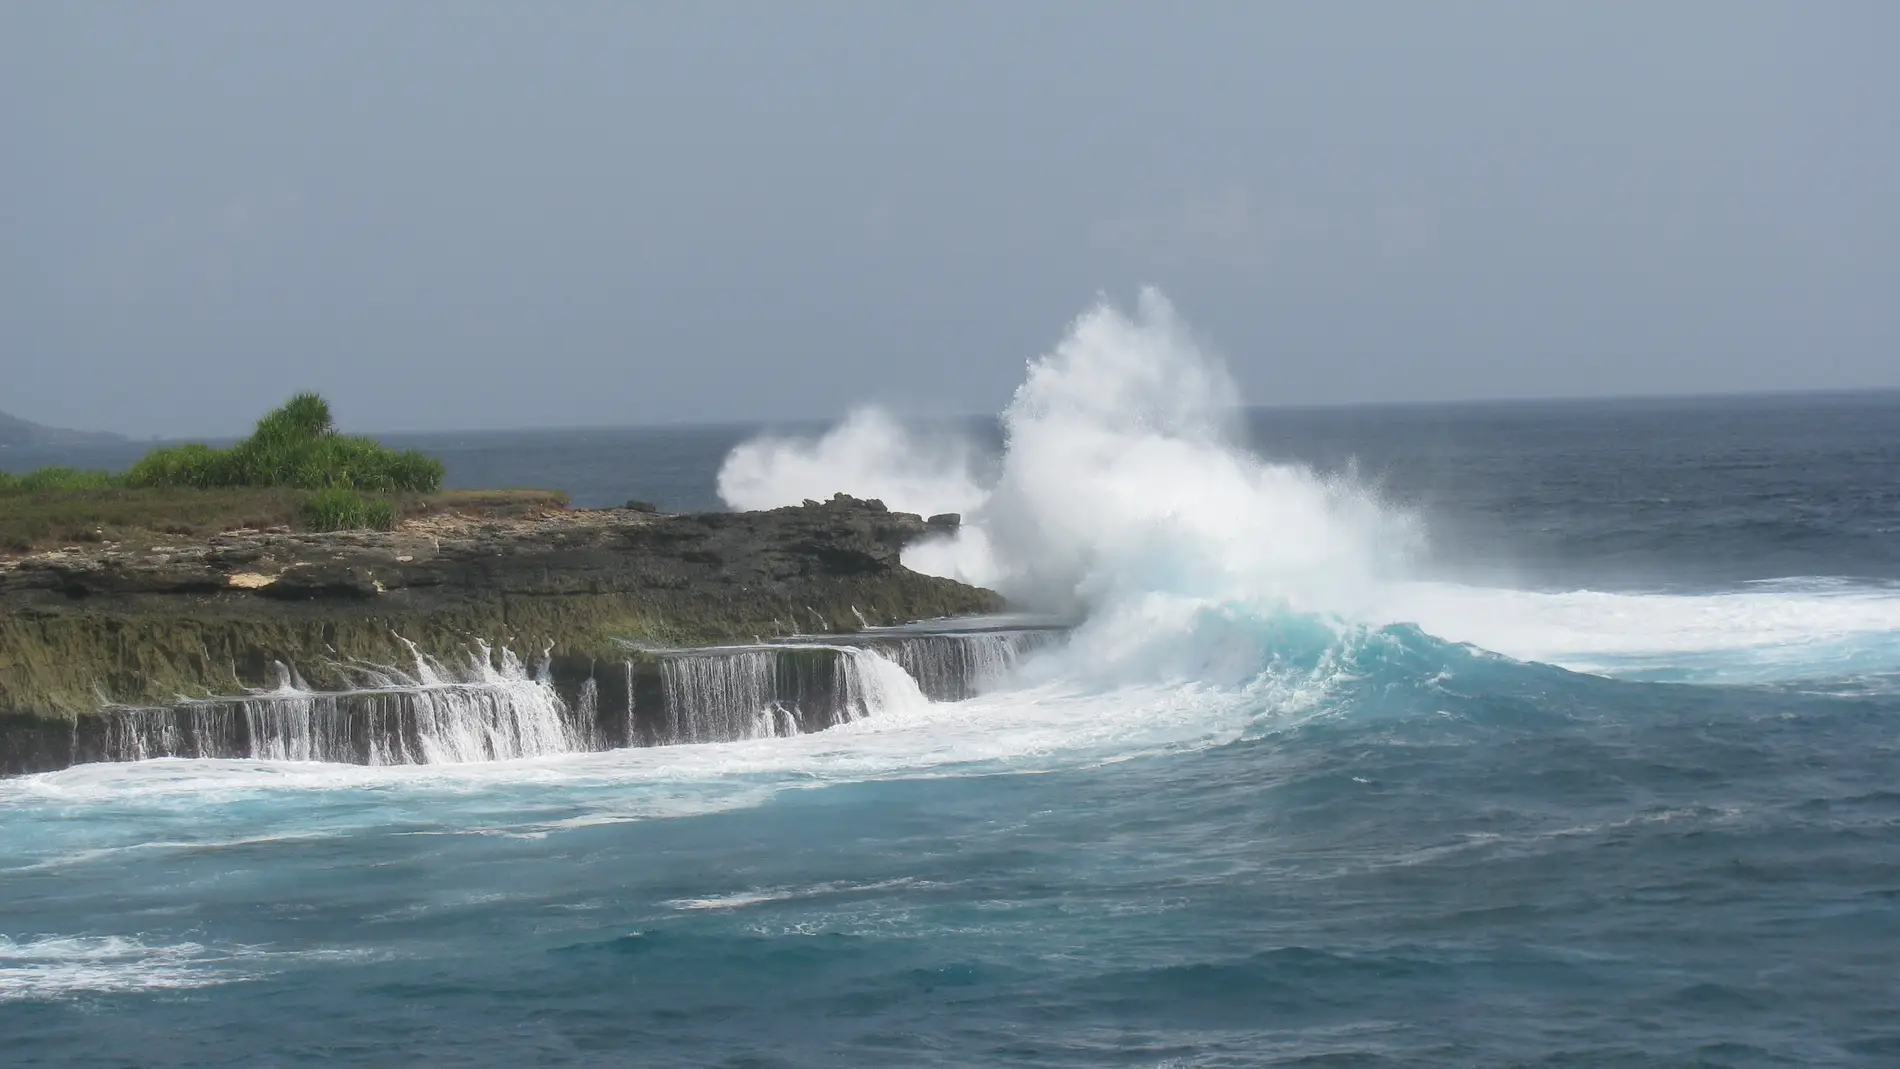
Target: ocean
1555	734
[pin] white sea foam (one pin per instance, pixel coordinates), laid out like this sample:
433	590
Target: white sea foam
765	895
1121	477
109	809
1123	494
1795	629
57	966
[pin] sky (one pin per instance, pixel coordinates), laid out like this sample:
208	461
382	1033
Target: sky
461	215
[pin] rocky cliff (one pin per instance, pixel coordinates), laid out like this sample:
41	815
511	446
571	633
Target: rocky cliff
96	627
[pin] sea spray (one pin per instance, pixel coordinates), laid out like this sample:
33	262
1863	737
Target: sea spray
1122	494
871	453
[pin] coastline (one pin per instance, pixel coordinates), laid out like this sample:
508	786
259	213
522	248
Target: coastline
92	629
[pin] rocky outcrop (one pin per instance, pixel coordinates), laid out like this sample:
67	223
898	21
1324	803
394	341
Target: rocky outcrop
774	553
95	627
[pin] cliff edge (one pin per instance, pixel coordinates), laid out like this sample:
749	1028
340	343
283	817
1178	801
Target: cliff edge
89	627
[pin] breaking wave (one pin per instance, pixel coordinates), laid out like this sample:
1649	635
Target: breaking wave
1125	495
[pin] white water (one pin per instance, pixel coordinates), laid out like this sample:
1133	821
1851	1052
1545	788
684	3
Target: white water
431	714
61	966
871	452
235	803
953	667
718	697
1123	493
57	966
493	709
723	695
1799	629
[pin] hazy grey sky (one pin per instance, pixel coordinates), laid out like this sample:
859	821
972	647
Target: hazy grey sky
458	214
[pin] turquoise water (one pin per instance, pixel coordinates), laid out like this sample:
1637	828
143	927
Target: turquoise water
1561	814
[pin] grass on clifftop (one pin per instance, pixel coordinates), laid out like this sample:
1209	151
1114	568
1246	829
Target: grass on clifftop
30	522
294	471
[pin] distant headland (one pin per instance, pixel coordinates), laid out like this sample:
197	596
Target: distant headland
15	431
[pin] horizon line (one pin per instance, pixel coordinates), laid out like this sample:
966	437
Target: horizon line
754	423
1312	406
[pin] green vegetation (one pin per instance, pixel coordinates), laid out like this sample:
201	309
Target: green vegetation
294	446
340	509
294	470
144	517
57	480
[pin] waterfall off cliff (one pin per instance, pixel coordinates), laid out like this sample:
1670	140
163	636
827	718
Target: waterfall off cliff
493	706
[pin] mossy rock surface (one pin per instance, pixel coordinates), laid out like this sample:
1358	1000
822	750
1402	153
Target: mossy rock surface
100	625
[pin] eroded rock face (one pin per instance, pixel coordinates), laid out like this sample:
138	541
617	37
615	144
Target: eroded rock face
598	551
100	625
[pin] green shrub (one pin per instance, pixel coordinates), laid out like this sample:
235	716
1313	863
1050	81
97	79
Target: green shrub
294	446
342	509
361	463
255	462
180	465
303	418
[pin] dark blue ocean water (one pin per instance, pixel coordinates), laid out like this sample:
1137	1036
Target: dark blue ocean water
1623	790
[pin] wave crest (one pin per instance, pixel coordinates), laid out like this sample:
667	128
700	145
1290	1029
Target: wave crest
1122	484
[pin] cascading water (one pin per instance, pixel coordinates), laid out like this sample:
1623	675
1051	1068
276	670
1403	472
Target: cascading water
957	667
429	715
722	696
493	707
875	683
725	695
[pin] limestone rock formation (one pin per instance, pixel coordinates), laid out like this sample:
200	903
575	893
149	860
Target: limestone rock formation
98	626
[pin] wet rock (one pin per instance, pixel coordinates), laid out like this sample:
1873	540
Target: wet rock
102	624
